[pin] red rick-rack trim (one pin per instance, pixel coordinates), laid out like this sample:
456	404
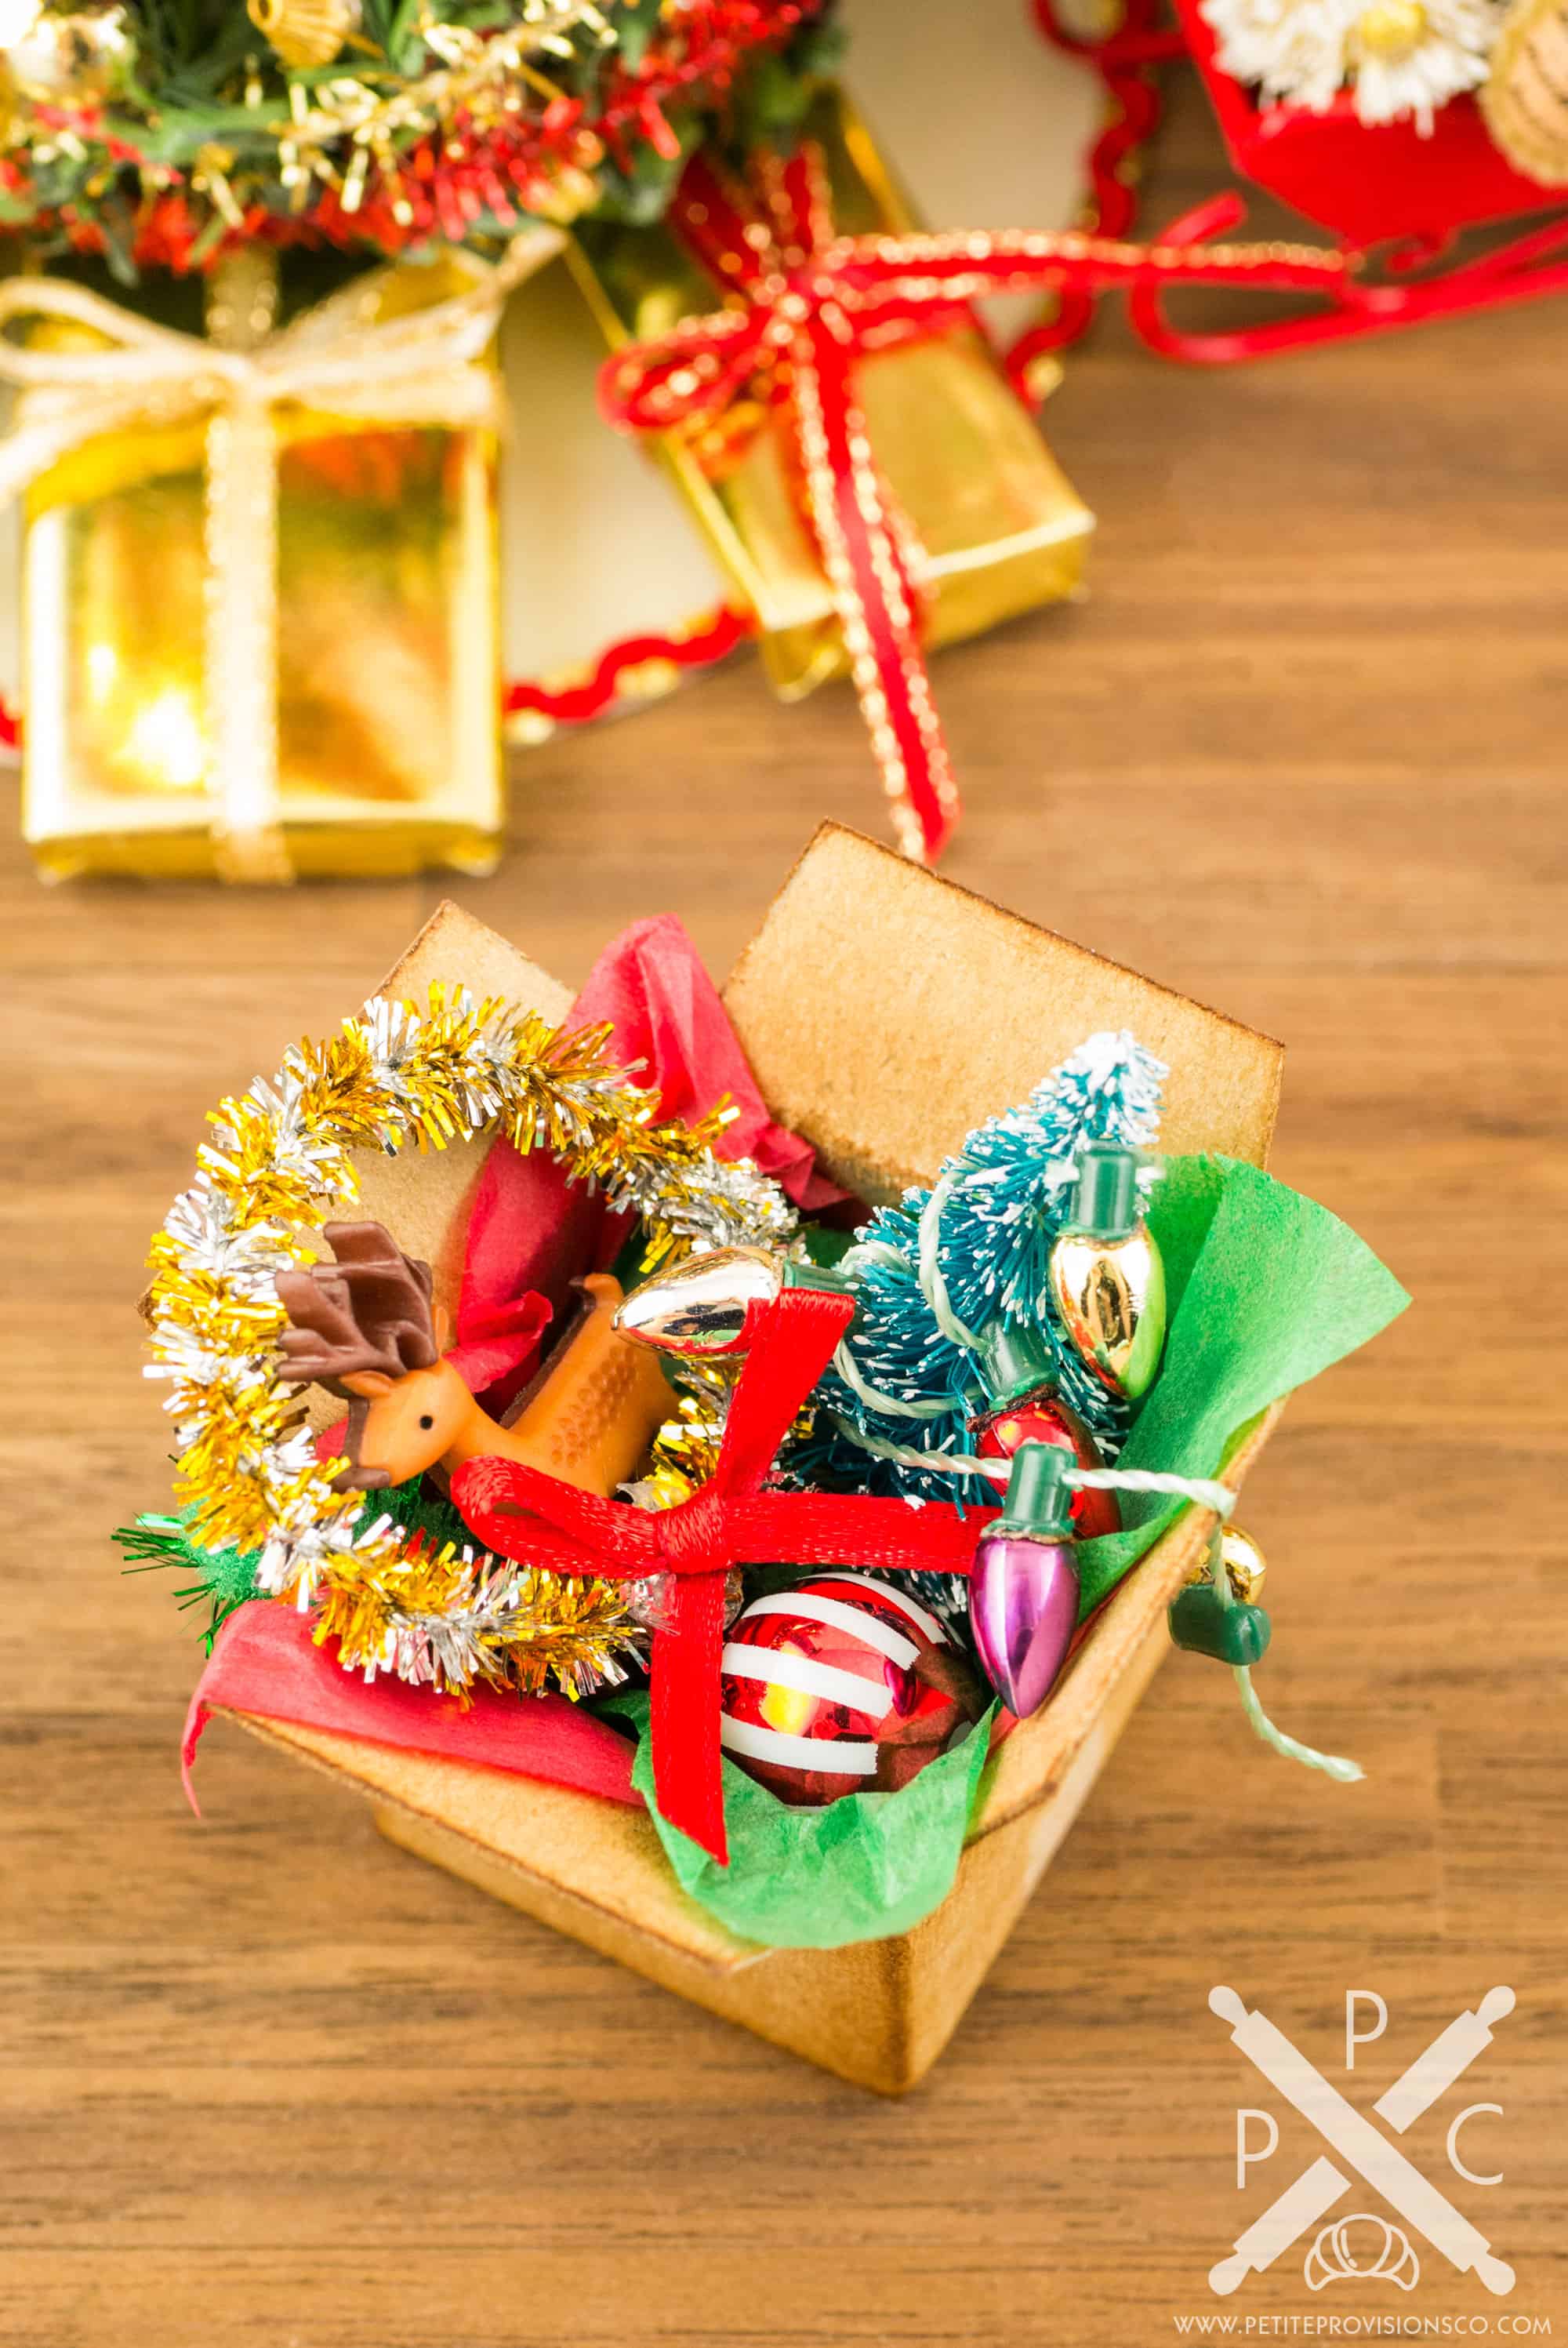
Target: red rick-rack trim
573	704
447	181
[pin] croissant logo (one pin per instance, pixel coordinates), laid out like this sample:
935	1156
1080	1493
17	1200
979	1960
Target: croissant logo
1361	2147
1364	2246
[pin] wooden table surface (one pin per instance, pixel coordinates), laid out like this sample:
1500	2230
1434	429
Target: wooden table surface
1300	755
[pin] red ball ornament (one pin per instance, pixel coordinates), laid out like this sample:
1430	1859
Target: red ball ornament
842	1686
1043	1417
1024	1407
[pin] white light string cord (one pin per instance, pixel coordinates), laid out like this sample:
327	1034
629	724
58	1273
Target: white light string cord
1203	1490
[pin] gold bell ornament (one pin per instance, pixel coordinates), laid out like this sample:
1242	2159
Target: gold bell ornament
306	32
1525	96
1107	1277
80	56
1244	1562
1202	1619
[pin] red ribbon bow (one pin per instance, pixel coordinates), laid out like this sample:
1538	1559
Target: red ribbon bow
808	305
537	1521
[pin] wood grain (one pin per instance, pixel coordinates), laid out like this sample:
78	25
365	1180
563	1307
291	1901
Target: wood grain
1300	755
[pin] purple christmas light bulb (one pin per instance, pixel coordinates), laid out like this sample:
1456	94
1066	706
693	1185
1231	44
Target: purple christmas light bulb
1023	1592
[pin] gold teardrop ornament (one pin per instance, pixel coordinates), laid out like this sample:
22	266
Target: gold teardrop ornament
306	32
1524	98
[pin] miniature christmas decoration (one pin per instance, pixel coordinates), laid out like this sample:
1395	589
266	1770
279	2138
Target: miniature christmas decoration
1107	1281
465	1218
1244	1566
365	1325
759	425
702	1309
279	242
1201	1621
314	688
838	1685
1024	1589
1390	123
154	134
239	1322
953	1291
1015	1370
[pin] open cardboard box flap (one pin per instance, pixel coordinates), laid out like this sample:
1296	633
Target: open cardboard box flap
885	1014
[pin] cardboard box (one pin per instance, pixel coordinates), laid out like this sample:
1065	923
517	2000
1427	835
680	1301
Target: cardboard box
886	1013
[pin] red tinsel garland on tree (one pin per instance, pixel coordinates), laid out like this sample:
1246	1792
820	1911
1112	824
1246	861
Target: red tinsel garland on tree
446	184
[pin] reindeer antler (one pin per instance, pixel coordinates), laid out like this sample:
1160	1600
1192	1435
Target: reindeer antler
370	1310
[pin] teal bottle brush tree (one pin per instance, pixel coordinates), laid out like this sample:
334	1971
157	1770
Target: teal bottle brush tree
954	1273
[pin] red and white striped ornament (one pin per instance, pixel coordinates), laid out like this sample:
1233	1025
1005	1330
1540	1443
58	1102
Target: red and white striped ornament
841	1685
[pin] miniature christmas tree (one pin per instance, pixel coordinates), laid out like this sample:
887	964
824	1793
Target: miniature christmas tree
155	133
937	1273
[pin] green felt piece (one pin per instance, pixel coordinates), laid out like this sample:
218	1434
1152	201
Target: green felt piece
867	1866
1265	1289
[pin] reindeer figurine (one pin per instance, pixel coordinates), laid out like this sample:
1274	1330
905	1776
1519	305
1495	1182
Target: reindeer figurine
365	1326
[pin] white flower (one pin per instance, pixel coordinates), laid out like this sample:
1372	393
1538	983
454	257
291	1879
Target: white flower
1410	56
1400	57
1289	51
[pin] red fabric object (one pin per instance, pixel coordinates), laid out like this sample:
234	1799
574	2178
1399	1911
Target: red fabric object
651	985
530	1229
498	1343
813	304
531	1517
266	1662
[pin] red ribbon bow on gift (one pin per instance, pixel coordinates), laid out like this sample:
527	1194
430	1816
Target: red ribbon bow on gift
808	305
537	1521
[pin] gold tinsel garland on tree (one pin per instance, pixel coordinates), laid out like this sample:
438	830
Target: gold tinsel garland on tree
277	1167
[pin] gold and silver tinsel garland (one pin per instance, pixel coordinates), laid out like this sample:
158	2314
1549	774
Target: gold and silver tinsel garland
278	1164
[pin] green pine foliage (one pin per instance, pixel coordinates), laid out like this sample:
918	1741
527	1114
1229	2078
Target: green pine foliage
198	112
219	1581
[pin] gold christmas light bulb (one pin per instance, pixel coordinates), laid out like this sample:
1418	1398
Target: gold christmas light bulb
1107	1279
306	32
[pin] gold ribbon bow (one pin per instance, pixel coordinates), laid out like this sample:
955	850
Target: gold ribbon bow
421	367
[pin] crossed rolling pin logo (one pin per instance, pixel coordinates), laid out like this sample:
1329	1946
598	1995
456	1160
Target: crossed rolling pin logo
1363	2148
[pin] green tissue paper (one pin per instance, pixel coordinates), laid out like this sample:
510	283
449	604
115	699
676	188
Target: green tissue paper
1265	1289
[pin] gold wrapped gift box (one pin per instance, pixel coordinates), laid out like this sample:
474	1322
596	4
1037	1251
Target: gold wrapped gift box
892	953
1001	528
384	630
